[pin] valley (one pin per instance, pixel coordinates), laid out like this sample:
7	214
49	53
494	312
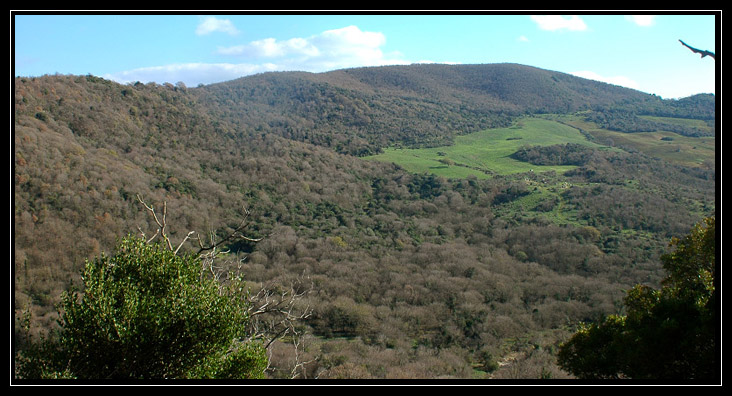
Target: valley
452	222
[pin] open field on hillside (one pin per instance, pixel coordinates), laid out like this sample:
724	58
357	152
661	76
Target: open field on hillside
488	152
669	146
681	121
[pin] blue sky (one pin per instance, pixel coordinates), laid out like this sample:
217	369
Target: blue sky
643	53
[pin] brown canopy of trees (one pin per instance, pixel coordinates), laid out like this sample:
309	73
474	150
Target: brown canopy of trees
413	276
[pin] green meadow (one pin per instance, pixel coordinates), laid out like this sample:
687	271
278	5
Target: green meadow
683	150
667	145
487	152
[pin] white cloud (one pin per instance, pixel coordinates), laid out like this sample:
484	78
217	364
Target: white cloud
212	24
558	22
349	41
642	20
337	48
523	39
271	48
329	50
615	80
191	74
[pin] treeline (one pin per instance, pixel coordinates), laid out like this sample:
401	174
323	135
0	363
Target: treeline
631	122
700	107
412	276
566	154
629	117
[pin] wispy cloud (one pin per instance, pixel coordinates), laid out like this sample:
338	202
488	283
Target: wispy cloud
212	24
559	22
191	74
642	20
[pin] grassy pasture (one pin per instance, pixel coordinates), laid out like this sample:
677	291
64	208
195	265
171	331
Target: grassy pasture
487	152
681	121
669	146
672	147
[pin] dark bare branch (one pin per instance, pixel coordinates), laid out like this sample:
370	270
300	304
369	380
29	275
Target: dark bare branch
234	234
703	53
274	311
212	245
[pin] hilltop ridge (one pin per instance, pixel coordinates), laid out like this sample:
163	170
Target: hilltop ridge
364	110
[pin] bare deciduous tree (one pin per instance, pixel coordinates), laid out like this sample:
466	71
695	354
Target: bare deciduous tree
275	310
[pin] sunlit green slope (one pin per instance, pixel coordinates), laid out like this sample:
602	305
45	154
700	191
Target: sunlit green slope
488	152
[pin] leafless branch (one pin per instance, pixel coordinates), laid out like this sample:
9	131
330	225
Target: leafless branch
299	366
212	246
184	241
161	224
274	315
703	53
234	234
274	311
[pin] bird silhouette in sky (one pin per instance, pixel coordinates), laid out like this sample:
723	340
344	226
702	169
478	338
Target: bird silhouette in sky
703	53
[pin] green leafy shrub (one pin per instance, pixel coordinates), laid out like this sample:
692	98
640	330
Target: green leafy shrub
147	313
667	333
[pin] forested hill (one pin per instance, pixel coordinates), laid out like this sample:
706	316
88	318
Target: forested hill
361	111
410	275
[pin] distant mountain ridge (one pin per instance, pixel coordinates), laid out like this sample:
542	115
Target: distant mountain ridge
363	110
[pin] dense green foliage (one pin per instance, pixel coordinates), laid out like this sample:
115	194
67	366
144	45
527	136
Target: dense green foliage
413	275
146	313
669	333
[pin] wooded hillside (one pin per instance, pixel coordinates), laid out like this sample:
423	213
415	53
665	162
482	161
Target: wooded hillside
361	111
413	275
